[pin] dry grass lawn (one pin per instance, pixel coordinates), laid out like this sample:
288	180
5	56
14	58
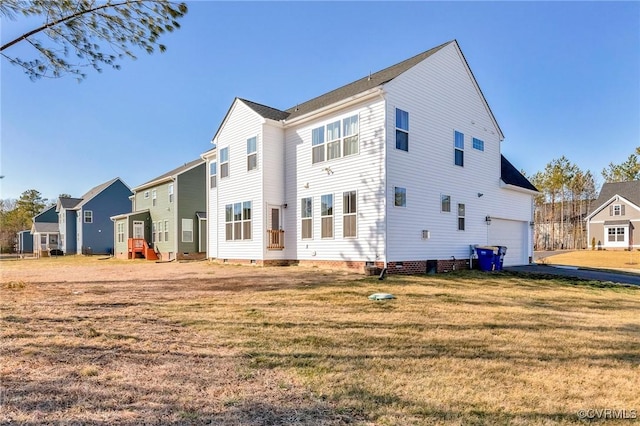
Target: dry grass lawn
111	342
611	259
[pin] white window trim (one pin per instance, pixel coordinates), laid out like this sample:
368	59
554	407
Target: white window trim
213	177
456	148
340	140
354	214
253	153
84	216
463	216
623	243
225	163
401	129
332	216
186	224
405	197
441	203
170	190
302	219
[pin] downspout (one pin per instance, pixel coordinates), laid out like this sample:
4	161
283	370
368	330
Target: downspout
385	188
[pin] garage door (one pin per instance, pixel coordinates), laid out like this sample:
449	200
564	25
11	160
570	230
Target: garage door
513	235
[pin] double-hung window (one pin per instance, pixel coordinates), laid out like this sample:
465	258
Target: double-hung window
252	153
306	218
160	233
461	215
88	216
154	197
458	149
154	229
224	163
187	230
350	134
120	232
400	196
349	214
166	230
326	215
402	130
317	143
246	220
333	140
228	219
171	193
213	174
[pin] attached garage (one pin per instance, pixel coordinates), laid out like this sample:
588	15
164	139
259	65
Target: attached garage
514	235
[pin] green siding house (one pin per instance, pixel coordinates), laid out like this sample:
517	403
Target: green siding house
167	213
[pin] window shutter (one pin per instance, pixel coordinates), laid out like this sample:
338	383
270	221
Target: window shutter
611	210
622	210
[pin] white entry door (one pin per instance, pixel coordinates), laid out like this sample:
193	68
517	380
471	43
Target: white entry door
138	229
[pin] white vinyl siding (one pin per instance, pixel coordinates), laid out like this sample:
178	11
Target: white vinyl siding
441	97
362	172
242	185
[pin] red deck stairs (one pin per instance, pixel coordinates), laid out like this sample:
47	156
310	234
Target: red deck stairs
139	248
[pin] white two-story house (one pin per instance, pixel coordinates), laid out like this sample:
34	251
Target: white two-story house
401	169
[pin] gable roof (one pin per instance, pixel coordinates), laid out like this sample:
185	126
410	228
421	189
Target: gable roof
68	203
266	111
366	83
369	82
170	174
45	227
43	212
629	190
76	203
511	176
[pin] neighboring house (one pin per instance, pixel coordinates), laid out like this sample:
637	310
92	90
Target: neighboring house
615	221
85	222
168	213
401	169
25	242
45	232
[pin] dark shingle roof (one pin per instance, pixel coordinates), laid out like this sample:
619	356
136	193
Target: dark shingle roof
174	172
511	176
266	111
69	203
629	190
364	84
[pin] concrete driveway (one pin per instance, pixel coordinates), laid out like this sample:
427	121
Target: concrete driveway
581	273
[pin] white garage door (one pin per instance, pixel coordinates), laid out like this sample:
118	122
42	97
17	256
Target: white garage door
513	235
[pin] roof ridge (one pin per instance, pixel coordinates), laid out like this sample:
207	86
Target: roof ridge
393	70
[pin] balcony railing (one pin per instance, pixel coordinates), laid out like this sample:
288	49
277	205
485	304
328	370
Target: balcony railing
276	239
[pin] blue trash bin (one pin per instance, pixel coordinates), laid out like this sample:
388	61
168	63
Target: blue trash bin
486	258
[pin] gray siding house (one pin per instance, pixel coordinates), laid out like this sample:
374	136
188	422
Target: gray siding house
167	215
45	232
615	221
85	223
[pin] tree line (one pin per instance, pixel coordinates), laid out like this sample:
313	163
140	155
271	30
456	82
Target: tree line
567	196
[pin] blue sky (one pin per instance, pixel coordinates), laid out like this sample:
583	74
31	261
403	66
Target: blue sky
562	78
